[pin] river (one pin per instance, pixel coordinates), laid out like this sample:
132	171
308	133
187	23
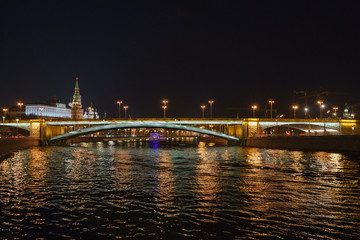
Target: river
107	191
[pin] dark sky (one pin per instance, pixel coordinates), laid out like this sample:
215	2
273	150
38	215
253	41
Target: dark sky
237	53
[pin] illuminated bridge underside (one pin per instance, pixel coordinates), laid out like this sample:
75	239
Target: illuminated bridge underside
306	127
140	125
25	126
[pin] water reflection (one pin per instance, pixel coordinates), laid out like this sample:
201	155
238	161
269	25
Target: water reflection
308	183
165	186
112	191
122	164
38	170
207	177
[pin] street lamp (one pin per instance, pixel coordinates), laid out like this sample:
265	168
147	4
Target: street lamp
5	110
321	107
306	112
3	117
203	109
119	102
164	107
271	103
254	107
335	109
17	127
295	107
125	108
211	103
20	104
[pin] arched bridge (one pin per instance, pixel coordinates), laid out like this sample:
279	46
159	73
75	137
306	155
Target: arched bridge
227	128
141	124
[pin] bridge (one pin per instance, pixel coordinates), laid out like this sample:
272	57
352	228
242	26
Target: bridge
230	129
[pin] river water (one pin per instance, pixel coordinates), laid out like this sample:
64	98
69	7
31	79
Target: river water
105	191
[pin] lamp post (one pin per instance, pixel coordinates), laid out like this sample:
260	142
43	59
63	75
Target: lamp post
203	110
3	117
295	107
254	107
271	103
41	109
321	107
211	102
119	102
306	112
17	127
164	107
20	104
335	109
5	110
125	108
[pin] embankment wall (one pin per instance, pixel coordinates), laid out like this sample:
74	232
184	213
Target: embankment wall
9	145
332	143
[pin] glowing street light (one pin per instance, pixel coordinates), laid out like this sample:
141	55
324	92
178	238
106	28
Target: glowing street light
295	107
5	110
321	107
271	103
306	112
3	117
335	109
164	107
203	109
119	102
254	107
17	127
20	104
211	103
125	108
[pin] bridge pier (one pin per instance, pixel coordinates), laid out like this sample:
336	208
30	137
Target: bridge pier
251	127
37	130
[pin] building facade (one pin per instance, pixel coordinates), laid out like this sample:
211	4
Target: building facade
43	110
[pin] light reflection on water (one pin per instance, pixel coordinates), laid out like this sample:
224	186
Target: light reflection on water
109	191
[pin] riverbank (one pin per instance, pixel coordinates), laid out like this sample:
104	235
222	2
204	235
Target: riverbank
9	145
331	143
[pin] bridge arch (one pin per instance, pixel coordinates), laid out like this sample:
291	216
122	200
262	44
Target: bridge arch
166	125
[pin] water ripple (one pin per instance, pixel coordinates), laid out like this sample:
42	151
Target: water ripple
109	192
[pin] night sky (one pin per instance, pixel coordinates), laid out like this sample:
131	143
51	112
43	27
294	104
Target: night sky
237	53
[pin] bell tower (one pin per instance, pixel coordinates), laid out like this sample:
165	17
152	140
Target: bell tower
76	108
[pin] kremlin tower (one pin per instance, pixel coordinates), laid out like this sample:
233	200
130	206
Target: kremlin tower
76	108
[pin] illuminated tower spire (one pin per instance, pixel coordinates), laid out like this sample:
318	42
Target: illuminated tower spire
76	109
77	96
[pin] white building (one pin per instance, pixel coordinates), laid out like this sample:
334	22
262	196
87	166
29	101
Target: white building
91	113
58	111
